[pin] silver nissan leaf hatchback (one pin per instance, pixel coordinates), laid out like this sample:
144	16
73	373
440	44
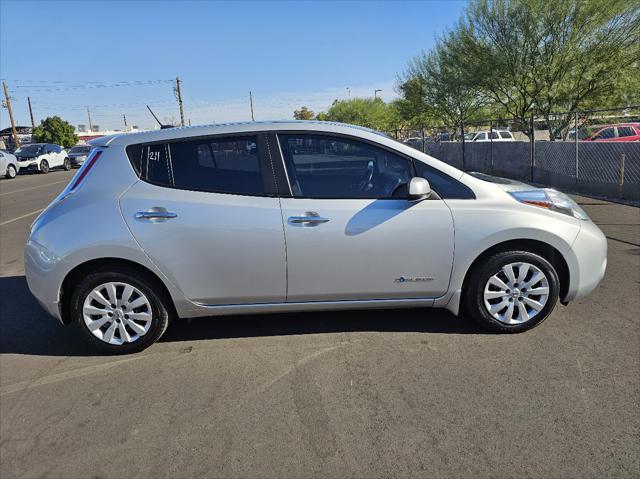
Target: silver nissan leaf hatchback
297	216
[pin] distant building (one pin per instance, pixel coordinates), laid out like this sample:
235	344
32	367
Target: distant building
84	134
6	137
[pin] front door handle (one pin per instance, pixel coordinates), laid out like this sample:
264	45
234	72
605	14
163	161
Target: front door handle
310	218
156	213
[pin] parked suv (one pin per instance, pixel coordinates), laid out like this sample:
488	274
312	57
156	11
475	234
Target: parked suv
297	216
42	157
493	135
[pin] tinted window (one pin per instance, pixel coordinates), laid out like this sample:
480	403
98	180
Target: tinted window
134	152
480	136
444	185
606	133
625	131
494	135
506	134
227	165
321	166
156	167
80	149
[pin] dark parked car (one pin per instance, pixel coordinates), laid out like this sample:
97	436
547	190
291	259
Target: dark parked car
78	154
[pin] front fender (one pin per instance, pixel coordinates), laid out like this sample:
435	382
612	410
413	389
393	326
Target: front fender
481	225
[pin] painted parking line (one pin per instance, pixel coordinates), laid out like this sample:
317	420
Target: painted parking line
34	187
21	217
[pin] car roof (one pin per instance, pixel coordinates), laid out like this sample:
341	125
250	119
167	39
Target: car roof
230	128
619	124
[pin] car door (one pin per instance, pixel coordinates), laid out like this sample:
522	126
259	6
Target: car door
207	214
350	232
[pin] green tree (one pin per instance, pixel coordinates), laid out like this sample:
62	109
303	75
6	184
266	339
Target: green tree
516	58
540	56
369	112
434	87
303	113
55	130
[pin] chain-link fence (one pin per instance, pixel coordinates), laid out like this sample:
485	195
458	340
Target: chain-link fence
593	152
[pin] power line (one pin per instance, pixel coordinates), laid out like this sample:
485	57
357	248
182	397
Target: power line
80	86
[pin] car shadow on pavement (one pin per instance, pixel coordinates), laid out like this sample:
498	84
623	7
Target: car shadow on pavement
26	329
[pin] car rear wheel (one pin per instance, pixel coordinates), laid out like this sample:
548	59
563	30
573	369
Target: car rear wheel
44	167
512	291
67	164
11	172
120	311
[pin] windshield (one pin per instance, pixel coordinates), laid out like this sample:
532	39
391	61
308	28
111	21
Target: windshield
29	150
80	149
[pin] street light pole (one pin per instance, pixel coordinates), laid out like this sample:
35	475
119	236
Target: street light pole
375	93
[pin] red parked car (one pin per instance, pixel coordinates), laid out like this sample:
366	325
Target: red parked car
621	132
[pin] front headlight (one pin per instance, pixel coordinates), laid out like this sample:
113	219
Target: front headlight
550	199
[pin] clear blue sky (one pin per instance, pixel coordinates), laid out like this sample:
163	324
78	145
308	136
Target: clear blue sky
287	53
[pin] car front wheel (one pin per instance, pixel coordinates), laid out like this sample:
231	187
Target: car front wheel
11	172
120	311
44	167
512	291
67	164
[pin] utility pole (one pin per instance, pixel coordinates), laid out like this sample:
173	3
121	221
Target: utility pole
16	140
124	117
251	104
33	123
90	124
179	93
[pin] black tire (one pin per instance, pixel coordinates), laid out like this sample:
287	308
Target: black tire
11	172
160	307
473	300
67	164
44	167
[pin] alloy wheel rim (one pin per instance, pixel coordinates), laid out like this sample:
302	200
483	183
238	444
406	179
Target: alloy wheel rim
516	293
117	313
12	171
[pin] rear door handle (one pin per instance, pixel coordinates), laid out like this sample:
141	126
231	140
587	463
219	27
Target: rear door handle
155	213
310	218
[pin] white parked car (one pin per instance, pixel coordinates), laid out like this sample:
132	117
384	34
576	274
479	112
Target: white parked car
42	157
297	216
9	166
494	135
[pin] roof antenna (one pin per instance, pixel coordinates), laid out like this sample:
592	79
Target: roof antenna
162	127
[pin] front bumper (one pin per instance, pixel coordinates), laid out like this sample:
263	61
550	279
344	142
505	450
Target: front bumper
77	160
587	261
29	165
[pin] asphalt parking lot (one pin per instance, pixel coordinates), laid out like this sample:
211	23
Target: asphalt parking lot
398	393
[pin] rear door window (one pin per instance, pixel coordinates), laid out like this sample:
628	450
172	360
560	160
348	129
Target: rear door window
230	165
625	131
217	165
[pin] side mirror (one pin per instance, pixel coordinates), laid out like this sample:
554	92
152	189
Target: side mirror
419	189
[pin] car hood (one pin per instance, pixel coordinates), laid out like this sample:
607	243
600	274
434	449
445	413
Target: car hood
506	184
